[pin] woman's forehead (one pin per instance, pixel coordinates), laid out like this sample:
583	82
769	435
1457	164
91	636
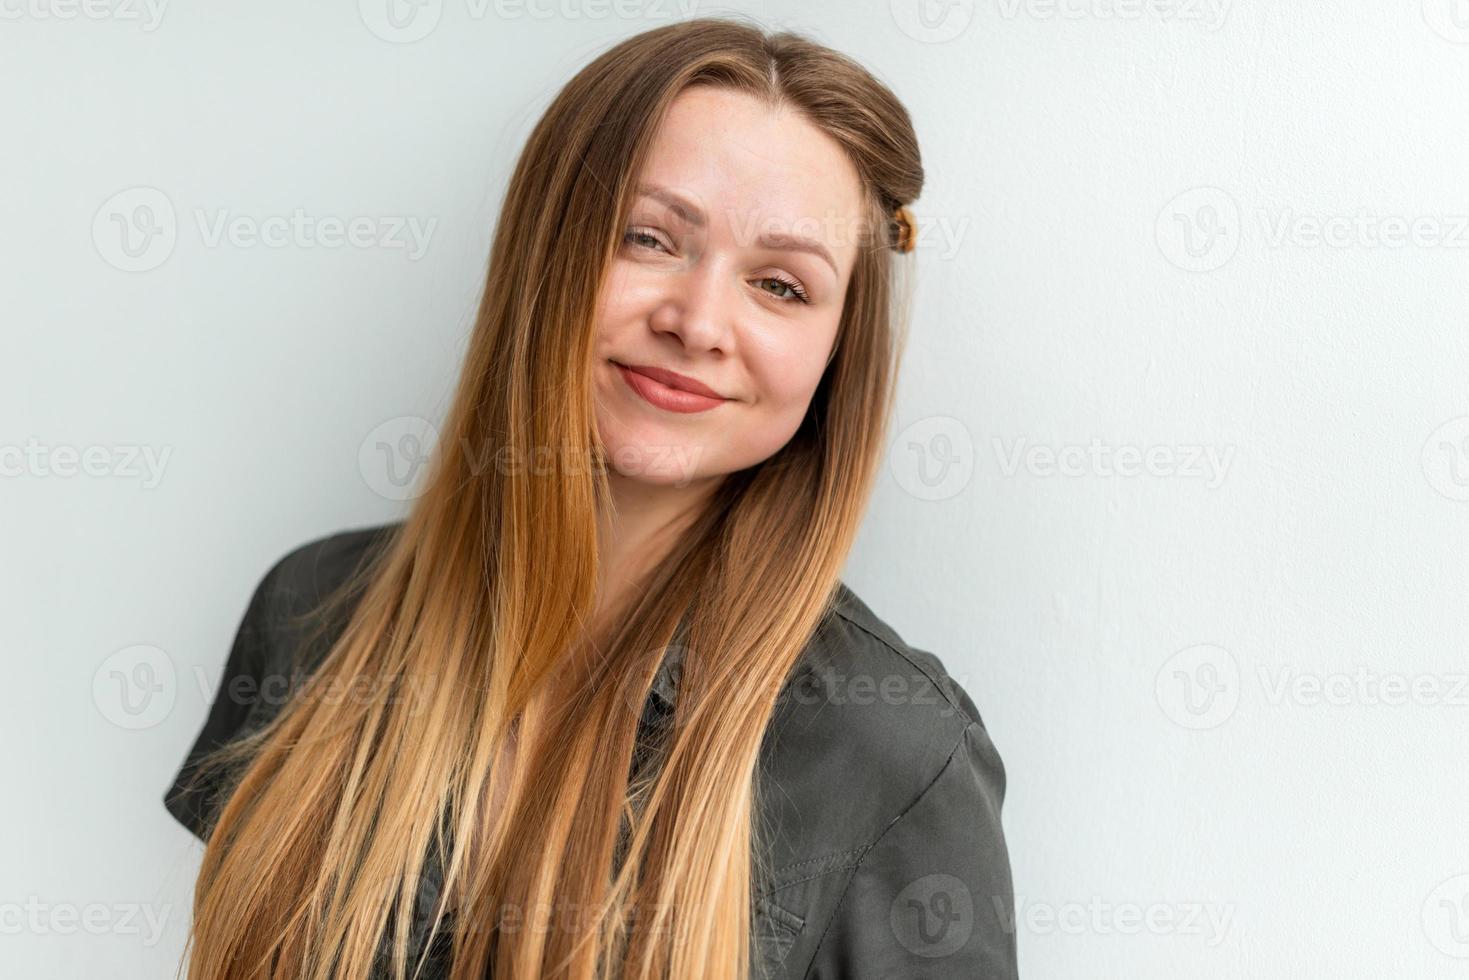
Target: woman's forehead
733	160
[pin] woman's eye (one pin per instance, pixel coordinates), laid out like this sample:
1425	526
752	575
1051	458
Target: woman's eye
642	238
785	289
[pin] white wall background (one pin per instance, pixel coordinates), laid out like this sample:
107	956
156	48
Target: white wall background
1231	701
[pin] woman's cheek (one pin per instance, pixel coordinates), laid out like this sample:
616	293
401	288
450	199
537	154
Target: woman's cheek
791	374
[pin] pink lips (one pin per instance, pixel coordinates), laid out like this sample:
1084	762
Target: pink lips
670	390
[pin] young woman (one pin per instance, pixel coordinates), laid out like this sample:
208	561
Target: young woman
600	705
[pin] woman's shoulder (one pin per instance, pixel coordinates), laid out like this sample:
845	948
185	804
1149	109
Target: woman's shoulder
267	659
868	638
898	697
289	625
884	790
310	571
870	722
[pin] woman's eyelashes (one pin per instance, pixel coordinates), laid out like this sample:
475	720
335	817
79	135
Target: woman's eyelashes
787	290
798	293
636	233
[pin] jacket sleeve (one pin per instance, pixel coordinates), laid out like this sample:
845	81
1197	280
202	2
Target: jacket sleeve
932	898
192	801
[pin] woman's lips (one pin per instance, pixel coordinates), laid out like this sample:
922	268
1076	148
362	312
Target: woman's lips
665	396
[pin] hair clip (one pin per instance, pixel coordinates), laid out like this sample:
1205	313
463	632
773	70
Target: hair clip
906	229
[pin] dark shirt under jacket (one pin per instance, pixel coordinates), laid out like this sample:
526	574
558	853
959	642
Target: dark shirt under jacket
881	788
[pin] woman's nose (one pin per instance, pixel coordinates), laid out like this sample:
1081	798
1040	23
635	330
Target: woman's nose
698	304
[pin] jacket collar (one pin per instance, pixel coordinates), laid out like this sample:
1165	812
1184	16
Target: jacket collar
665	682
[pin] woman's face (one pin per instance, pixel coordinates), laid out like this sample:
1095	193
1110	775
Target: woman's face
732	272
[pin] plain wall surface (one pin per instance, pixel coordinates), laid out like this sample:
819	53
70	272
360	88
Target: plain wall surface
1178	484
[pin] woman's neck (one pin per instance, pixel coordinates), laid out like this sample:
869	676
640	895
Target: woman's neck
637	532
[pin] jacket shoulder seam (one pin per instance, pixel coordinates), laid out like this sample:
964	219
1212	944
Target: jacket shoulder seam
857	867
959	708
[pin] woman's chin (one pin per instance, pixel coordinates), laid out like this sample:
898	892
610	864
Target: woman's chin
658	464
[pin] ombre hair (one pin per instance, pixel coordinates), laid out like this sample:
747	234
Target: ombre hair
315	860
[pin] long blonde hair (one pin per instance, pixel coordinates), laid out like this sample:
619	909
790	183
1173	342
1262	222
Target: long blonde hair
314	862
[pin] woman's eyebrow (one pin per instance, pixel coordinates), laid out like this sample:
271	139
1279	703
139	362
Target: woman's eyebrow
780	241
795	243
683	207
